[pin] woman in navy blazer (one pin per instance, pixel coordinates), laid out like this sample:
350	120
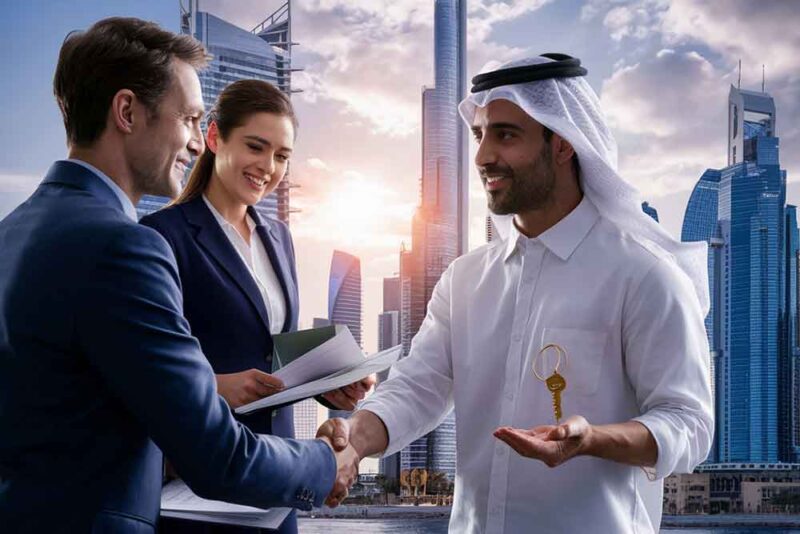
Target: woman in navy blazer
237	268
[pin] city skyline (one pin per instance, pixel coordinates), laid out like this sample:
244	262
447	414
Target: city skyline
662	80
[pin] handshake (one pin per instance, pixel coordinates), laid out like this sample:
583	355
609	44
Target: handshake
336	433
362	435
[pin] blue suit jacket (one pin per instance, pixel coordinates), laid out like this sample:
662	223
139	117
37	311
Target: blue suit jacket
98	371
221	300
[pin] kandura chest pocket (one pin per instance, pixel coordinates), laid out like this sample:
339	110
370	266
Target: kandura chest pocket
585	352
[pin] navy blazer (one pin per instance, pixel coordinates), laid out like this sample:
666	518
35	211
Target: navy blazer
221	300
98	370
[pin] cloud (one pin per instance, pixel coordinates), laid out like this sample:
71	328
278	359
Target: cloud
316	163
663	95
669	115
18	183
755	32
14	190
668	106
636	20
373	57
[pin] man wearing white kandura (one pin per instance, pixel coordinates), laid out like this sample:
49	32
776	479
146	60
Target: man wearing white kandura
586	306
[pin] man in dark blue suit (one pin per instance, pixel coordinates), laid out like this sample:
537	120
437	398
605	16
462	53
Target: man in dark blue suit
98	368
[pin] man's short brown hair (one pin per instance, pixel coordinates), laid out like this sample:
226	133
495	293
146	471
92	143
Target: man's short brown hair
116	53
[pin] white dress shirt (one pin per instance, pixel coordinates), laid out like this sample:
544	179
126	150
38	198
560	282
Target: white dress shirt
636	349
259	266
127	205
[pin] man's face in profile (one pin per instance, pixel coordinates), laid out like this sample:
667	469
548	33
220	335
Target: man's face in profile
513	158
171	135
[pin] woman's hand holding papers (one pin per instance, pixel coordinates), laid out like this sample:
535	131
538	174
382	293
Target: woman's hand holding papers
248	386
348	397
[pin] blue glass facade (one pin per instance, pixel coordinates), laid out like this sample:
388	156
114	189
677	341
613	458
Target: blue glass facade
650	210
344	292
700	224
344	299
790	395
752	324
752	200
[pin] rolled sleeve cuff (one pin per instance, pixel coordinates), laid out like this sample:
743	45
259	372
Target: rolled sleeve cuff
660	431
389	421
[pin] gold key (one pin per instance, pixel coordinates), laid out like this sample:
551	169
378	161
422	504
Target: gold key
556	384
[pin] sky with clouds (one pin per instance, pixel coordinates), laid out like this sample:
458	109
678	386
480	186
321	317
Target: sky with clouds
662	69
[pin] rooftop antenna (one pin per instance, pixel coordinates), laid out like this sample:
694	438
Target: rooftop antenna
739	83
763	79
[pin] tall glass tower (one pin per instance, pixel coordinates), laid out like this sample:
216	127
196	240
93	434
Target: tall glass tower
790	386
445	172
700	224
439	228
344	292
344	299
263	53
389	336
741	212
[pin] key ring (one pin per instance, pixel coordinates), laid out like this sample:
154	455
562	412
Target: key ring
561	352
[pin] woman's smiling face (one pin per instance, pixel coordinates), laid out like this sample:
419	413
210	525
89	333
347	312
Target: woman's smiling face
253	160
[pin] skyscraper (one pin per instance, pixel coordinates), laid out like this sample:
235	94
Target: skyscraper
388	329
790	386
439	227
650	210
305	419
389	320
741	212
263	53
344	299
750	115
389	336
700	224
320	322
344	292
391	294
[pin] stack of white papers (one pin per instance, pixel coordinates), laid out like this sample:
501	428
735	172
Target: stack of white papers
178	501
333	364
339	352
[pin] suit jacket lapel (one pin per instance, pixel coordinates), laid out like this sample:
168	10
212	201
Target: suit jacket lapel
213	239
280	262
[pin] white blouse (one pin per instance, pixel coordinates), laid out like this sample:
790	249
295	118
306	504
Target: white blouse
259	266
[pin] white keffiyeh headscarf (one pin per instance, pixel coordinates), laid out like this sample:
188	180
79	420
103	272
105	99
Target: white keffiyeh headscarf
570	107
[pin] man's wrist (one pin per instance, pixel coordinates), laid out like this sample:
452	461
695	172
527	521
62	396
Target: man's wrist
364	429
591	442
358	439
